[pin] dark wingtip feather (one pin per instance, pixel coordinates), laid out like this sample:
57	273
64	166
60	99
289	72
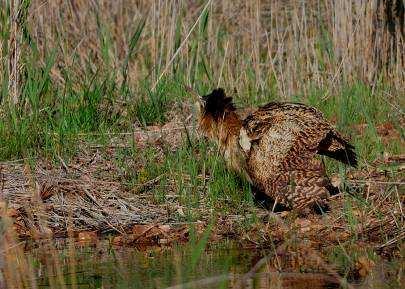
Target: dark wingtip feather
351	156
347	156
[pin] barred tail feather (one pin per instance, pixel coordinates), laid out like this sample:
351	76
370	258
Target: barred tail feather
336	147
347	155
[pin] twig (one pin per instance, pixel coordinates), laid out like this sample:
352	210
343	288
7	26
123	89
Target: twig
101	207
393	240
252	272
223	64
63	163
376	182
120	134
14	45
149	183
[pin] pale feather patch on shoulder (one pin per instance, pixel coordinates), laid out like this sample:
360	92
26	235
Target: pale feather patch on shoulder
244	140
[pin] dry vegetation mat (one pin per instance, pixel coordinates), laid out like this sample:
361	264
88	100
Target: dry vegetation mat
88	197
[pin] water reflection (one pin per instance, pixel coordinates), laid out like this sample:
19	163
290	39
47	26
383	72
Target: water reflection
180	267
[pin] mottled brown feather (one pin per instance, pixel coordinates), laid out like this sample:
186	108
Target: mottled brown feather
275	148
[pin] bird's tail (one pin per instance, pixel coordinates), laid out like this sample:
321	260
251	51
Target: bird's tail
346	155
336	147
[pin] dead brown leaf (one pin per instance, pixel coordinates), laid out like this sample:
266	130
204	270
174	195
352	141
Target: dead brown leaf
87	238
118	240
360	128
364	266
304	225
385	129
46	191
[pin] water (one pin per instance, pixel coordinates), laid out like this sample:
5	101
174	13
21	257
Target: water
222	266
150	268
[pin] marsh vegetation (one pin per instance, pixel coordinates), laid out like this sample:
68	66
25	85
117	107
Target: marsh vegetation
105	181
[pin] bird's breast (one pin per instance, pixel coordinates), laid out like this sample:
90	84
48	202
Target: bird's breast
235	159
244	141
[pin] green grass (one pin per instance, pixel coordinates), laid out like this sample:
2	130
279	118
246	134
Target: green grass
223	190
52	118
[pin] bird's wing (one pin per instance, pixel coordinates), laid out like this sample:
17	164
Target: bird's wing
280	146
298	122
274	113
281	137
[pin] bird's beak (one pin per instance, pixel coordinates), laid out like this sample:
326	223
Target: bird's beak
195	96
199	102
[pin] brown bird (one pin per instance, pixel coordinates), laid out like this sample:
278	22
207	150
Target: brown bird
275	147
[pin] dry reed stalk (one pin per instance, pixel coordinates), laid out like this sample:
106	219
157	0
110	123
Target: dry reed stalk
298	44
17	269
369	38
14	46
170	59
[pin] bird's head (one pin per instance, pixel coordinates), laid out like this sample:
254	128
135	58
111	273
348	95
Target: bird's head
215	105
216	110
